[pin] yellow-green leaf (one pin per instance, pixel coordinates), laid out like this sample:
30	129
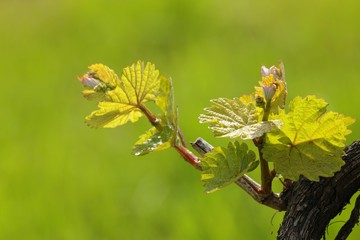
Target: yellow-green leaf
112	114
138	84
104	74
310	142
91	94
223	166
165	98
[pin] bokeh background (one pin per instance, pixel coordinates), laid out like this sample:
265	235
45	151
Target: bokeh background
60	179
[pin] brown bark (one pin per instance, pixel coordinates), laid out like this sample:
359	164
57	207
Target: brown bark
311	205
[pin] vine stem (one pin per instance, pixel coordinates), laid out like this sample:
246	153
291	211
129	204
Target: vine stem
151	117
189	156
266	179
261	193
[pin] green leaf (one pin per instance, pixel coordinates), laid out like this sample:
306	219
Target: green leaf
311	141
165	97
138	84
237	117
223	166
153	140
165	100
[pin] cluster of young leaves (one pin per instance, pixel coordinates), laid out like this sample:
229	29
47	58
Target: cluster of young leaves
123	99
307	140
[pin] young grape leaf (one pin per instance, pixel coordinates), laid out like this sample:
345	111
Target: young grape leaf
223	166
138	84
311	141
237	117
165	98
153	140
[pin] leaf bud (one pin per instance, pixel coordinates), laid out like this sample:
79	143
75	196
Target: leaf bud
269	91
89	81
277	72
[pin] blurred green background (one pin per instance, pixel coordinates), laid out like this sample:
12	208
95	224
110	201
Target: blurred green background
60	179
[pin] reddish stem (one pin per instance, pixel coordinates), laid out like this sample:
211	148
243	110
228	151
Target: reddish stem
188	156
184	152
151	117
182	139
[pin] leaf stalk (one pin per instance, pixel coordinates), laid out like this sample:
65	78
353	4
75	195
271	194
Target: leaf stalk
266	179
151	117
189	156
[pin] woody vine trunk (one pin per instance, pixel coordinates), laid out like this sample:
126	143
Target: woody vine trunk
311	205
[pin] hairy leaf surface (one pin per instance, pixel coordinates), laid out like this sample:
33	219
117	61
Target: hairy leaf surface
223	166
311	141
237	117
